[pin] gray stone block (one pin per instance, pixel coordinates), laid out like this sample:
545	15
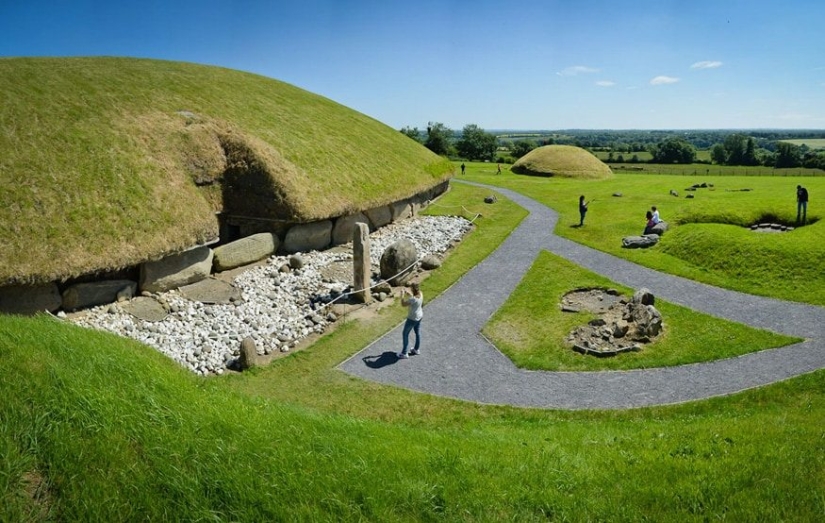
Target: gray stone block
308	237
245	251
85	295
29	299
176	270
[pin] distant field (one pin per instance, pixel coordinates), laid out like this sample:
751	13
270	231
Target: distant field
699	169
644	156
813	143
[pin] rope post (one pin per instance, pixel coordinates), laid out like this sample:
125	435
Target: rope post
361	263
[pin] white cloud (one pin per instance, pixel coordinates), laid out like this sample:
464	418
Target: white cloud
577	70
706	64
661	80
605	83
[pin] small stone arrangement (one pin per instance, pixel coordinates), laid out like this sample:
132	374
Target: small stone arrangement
770	227
623	325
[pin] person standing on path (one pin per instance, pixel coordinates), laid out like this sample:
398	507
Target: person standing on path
582	210
415	302
801	204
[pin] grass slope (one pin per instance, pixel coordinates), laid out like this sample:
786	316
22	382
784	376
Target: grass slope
99	159
97	428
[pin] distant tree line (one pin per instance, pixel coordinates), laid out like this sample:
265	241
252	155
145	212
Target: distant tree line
758	147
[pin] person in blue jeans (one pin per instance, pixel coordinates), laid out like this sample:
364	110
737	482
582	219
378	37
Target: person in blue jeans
415	302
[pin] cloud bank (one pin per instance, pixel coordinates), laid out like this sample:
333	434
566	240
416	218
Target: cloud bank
605	83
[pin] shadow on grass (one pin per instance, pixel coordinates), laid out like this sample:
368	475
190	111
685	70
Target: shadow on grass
376	362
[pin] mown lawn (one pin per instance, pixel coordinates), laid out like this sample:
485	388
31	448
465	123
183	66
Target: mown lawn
708	240
98	428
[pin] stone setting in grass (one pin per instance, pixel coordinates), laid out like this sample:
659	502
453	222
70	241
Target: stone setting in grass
622	325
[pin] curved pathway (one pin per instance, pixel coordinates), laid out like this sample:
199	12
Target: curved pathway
458	362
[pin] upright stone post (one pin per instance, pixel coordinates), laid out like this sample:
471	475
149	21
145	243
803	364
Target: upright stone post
361	262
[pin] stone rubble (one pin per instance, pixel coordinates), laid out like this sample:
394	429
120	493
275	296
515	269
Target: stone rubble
278	308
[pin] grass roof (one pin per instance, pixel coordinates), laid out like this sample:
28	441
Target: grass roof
561	160
108	162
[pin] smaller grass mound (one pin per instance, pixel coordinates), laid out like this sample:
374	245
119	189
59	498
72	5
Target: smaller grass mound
565	161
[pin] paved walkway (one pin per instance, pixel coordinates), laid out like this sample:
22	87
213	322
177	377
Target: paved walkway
458	362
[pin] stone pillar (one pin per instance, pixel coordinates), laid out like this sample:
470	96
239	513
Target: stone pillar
361	262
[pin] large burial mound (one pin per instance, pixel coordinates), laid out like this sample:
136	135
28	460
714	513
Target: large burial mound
566	161
109	162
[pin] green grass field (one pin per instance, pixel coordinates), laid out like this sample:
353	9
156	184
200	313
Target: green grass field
98	428
813	143
708	240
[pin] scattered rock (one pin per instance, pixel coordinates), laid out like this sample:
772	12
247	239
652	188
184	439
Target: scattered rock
640	242
430	263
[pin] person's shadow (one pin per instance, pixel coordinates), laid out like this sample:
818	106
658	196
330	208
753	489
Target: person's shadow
376	362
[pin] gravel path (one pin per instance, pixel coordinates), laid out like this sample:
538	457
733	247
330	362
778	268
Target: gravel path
458	362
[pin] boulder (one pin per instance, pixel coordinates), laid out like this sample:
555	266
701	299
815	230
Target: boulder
643	296
85	295
345	225
658	229
430	262
176	270
29	299
640	242
305	237
245	251
379	217
398	261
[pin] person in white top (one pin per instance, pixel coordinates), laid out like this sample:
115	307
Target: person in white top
415	302
656	218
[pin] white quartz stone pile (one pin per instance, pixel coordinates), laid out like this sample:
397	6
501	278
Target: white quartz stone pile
278	308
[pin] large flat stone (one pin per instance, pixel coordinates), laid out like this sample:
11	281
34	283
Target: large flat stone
244	251
211	290
176	270
85	295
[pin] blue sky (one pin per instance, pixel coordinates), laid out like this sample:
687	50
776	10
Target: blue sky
539	64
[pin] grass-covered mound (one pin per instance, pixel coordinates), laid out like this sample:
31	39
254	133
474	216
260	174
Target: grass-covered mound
107	162
565	161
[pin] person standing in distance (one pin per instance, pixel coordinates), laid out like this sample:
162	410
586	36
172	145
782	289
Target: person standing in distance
582	210
801	204
415	303
462	168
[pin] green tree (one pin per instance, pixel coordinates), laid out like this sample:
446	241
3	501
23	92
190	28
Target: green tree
522	147
412	132
673	150
787	155
438	139
718	154
736	146
476	143
750	153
